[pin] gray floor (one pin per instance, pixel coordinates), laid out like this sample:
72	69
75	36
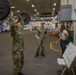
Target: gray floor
32	66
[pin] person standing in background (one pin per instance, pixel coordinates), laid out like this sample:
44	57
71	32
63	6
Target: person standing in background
63	38
41	34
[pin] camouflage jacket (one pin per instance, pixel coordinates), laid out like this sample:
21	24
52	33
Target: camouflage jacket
41	32
17	35
15	32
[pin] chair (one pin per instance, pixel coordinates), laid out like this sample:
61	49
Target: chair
68	58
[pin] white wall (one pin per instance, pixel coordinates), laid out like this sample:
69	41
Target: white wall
65	2
74	18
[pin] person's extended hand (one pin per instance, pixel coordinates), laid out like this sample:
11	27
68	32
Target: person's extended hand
56	42
11	13
17	24
20	16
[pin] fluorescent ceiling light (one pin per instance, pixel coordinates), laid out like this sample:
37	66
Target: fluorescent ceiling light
54	4
53	8
27	0
18	11
32	5
35	10
13	7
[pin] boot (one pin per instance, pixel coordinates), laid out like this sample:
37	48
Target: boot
37	54
42	54
20	73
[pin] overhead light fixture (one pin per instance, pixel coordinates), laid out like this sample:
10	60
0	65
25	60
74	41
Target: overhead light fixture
53	8
13	7
27	0
54	4
18	11
32	5
35	10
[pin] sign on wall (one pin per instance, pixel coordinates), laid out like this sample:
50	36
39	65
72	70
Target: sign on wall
66	13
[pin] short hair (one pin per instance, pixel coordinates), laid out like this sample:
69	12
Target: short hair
42	23
62	27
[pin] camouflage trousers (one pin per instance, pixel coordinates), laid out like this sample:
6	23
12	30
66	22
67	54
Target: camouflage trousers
18	59
40	46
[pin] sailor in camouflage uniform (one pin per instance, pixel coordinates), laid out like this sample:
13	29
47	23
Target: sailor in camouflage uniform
16	25
41	35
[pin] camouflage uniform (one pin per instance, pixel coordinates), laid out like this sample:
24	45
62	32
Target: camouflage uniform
41	33
18	46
